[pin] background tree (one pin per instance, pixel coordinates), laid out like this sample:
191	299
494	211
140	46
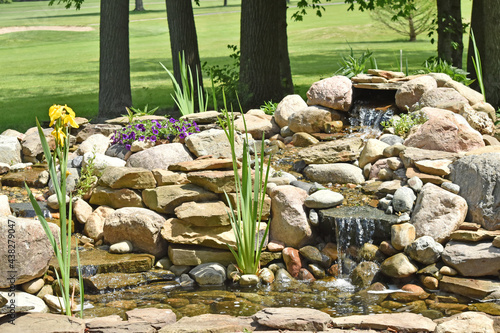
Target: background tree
413	23
114	59
183	38
450	31
484	23
260	74
139	6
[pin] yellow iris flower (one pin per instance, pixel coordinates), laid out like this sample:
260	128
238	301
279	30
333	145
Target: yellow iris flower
59	135
65	113
55	112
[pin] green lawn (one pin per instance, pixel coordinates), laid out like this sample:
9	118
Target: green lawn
40	68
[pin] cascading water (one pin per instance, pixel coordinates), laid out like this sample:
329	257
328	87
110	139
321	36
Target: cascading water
351	233
369	118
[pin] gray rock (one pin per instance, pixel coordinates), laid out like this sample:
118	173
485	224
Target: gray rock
424	250
101	161
117	150
161	156
472	259
213	142
285	130
313	217
76	162
71	181
438	212
404	197
302	185
340	173
479	181
384	203
209	274
453	188
391	139
96	143
324	199
416	184
10	150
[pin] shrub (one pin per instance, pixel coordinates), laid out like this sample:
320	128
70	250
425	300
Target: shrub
405	122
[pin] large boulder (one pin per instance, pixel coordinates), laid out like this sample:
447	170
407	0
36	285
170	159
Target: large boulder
309	120
257	124
32	146
140	226
479	181
118	198
288	105
213	142
123	177
334	92
32	251
470	94
472	259
10	150
340	173
161	156
289	219
438	212
441	98
410	92
445	131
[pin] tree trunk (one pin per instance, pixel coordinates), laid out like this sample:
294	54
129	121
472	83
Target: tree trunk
114	62
484	23
183	39
413	34
260	78
139	6
225	2
285	70
450	31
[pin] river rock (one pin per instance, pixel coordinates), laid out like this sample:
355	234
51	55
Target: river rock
324	199
203	214
303	139
96	143
445	131
33	286
438	212
201	164
403	199
373	150
411	91
105	196
121	247
164	199
424	250
291	257
400	322
364	274
293	319
334	92
309	120
10	150
26	301
257	124
472	259
32	250
402	235
125	177
288	105
213	142
342	150
194	255
82	210
161	156
94	226
340	173
398	266
209	274
289	219
140	226
479	181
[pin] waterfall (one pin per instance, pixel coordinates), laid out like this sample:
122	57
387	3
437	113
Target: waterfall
351	232
369	117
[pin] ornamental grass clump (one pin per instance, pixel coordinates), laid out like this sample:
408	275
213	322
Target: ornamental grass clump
61	117
250	193
154	131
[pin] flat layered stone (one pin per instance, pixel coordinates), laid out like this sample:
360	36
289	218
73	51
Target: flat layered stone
215	181
195	255
412	154
208	323
34	322
112	281
124	177
473	288
401	322
298	319
473	235
203	164
164	199
472	259
343	150
424	177
116	198
204	214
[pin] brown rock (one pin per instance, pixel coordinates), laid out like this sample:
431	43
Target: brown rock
293	319
125	177
401	322
334	92
305	275
155	317
201	164
412	293
203	214
291	257
105	196
164	199
94	228
166	177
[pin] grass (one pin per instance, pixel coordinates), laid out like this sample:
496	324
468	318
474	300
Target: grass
40	68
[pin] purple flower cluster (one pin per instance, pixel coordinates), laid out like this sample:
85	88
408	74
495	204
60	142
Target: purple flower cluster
154	130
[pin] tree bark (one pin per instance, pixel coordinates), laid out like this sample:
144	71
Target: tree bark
260	78
484	23
450	31
139	6
411	25
285	70
114	61
225	2
183	39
